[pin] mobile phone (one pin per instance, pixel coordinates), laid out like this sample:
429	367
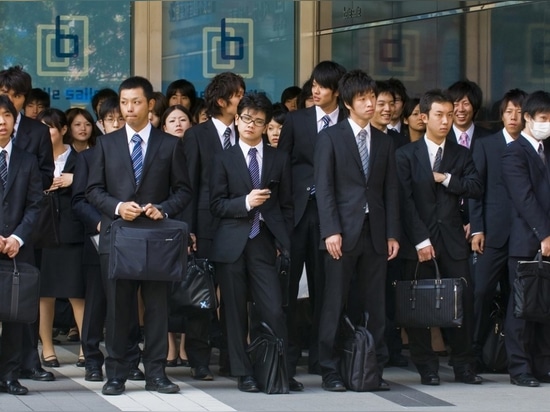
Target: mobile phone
272	184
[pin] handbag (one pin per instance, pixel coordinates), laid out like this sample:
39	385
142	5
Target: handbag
47	233
532	290
197	292
19	292
268	357
423	303
146	249
493	352
358	364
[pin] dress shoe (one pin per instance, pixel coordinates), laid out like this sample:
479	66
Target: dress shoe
50	361
525	379
333	383
184	362
468	377
294	385
73	335
136	374
430	378
544	378
113	387
202	373
248	384
13	388
398	360
81	362
161	385
93	375
172	363
383	386
37	374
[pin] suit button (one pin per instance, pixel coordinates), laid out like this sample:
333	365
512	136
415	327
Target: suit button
308	188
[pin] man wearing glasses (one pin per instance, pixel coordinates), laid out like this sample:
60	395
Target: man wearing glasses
250	191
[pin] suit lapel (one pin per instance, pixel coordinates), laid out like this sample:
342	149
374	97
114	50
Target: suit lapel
534	156
449	154
121	142
240	165
421	153
13	169
267	164
375	143
311	124
351	143
22	136
153	145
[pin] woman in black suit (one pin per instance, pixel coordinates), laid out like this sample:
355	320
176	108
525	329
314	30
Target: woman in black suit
61	266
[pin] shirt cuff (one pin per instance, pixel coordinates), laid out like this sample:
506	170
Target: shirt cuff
423	244
247	204
19	240
447	180
116	209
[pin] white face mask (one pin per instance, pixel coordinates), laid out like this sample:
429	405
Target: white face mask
540	130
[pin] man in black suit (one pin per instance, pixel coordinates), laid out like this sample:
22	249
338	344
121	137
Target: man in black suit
490	218
251	194
383	113
33	137
356	187
434	173
298	138
527	178
200	144
117	191
21	192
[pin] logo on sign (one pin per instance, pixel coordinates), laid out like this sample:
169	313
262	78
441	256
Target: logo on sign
229	47
61	48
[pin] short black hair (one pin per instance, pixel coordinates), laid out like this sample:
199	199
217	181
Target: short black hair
514	96
6	103
222	86
16	79
408	107
434	96
257	102
138	82
384	87
185	87
200	105
327	74
109	106
353	83
279	113
173	108
536	102
290	93
305	94
469	89
100	95
53	117
38	95
398	88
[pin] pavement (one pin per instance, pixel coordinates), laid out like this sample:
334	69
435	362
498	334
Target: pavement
70	392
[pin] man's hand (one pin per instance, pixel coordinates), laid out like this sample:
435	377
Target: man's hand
439	177
426	253
393	248
545	246
129	210
466	231
334	246
152	212
257	197
11	247
193	242
478	243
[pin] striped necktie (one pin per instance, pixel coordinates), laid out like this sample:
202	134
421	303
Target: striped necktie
3	168
540	151
437	161
363	151
226	139
254	171
326	121
137	157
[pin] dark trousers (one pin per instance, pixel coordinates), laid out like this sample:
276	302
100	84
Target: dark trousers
490	269
253	272
459	339
305	249
527	343
121	315
355	283
10	350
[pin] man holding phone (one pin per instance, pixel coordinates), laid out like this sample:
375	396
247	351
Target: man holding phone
250	191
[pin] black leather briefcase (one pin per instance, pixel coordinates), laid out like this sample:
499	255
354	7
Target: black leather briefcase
19	292
532	290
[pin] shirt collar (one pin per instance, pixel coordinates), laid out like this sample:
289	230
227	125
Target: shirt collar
8	148
507	136
432	147
245	148
356	128
469	132
143	133
333	115
534	142
220	127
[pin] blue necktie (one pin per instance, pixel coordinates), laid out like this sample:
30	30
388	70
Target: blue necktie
137	158
226	139
3	168
437	161
363	151
326	121
254	171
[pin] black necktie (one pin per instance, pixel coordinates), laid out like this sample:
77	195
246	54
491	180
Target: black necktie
540	152
3	168
437	162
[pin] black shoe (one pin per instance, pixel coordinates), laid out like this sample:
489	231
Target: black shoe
50	361
294	385
525	379
468	377
398	360
333	383
161	385
13	388
202	373
113	387
173	363
383	386
81	362
93	375
430	378
37	374
544	378
136	374
248	384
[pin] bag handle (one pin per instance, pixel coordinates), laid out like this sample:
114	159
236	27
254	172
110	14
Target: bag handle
437	272
538	258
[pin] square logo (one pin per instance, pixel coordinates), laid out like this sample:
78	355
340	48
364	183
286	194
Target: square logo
62	48
229	47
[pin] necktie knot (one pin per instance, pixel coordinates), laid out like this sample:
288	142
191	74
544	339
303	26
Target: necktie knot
136	139
326	121
463	140
252	152
362	135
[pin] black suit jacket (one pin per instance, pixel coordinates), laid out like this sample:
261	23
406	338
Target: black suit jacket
429	209
527	180
343	192
491	213
34	137
200	144
298	139
82	209
230	183
164	180
21	201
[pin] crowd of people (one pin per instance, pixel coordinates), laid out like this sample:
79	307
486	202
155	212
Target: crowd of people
349	176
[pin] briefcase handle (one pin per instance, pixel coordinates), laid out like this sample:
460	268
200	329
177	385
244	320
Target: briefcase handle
437	272
538	258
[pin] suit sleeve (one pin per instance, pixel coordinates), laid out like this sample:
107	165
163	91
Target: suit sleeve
180	193
476	205
45	159
192	158
324	177
221	204
467	183
82	209
391	197
286	201
34	195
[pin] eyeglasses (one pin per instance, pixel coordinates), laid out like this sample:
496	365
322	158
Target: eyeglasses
248	119
113	119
